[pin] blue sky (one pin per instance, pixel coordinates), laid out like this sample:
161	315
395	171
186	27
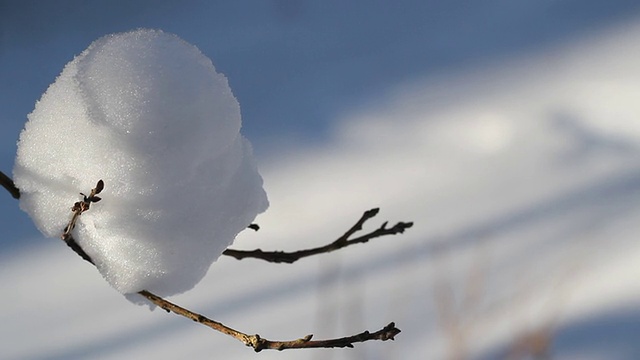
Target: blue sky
293	65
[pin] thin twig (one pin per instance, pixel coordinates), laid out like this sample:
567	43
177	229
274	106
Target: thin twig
8	184
78	208
254	341
341	242
258	343
81	206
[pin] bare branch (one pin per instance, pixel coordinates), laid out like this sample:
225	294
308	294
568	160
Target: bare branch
341	242
258	343
269	256
255	341
8	184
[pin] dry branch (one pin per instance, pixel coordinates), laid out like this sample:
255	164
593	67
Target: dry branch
341	242
258	343
254	341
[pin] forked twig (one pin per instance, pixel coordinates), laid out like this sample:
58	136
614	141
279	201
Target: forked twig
341	242
269	256
78	208
254	341
81	206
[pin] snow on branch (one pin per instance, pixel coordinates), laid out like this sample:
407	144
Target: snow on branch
150	115
255	341
274	256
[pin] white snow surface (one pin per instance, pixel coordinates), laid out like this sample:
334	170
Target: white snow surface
148	114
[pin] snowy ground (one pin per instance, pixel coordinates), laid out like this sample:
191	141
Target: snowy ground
522	176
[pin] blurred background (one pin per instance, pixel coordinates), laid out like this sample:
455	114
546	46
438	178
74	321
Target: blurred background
507	131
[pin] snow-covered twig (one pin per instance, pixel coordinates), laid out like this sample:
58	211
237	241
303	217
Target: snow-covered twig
281	256
254	341
81	206
341	242
78	208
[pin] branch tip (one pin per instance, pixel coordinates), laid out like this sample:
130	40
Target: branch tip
371	213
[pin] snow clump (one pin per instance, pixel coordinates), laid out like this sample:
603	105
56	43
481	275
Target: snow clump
147	113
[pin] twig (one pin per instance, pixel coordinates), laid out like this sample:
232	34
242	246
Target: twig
341	242
258	343
8	184
78	208
81	206
254	341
